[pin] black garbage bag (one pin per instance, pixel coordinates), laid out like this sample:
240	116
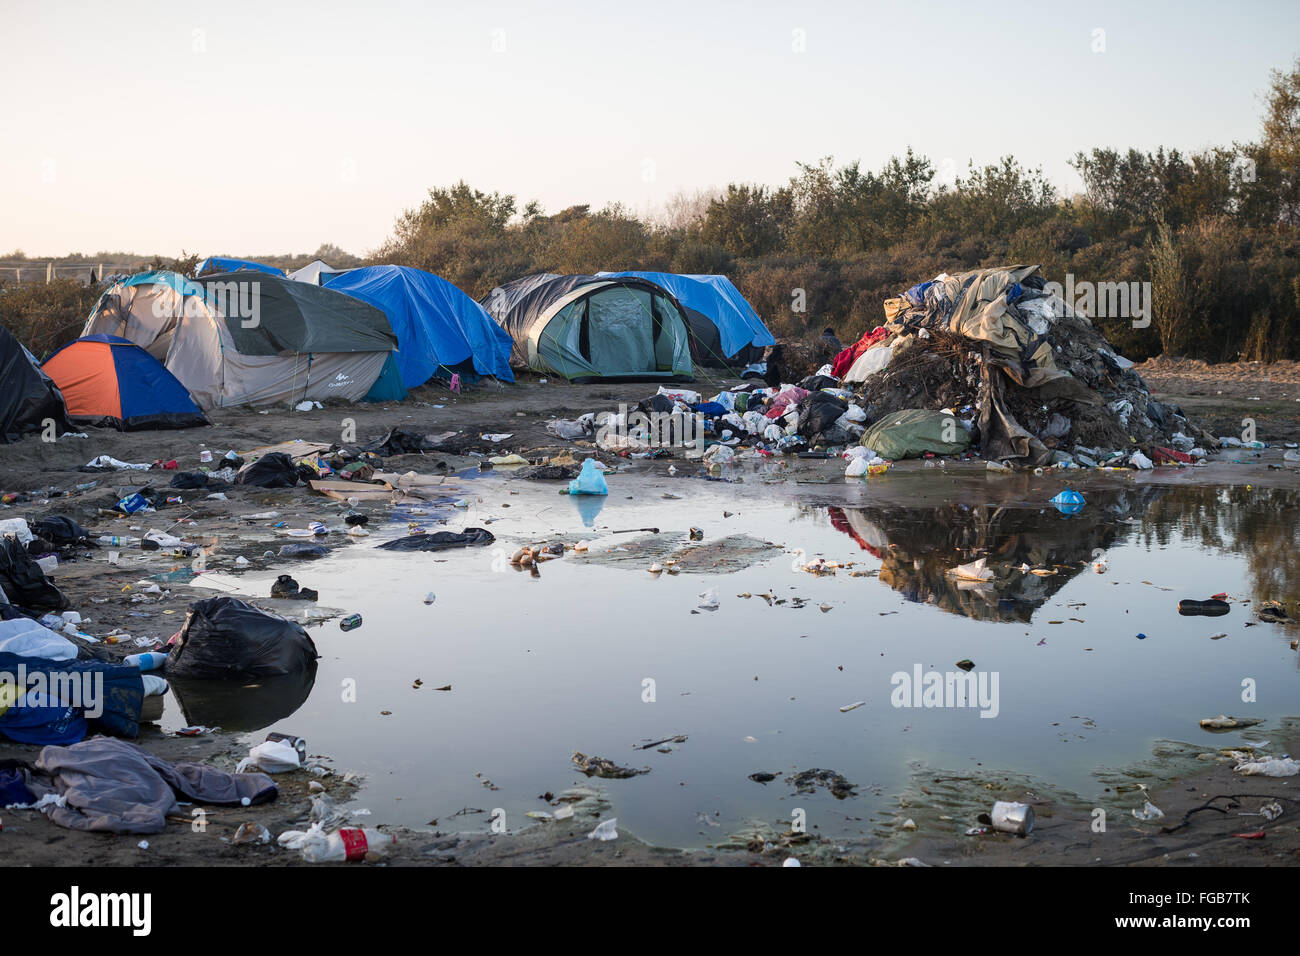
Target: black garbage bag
656	404
818	412
298	549
815	383
23	581
439	540
273	470
192	480
60	531
226	639
398	441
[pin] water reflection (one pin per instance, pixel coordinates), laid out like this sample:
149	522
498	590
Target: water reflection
918	547
1260	524
240	707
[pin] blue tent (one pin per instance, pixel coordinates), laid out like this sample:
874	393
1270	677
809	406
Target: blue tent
111	381
736	326
438	327
217	264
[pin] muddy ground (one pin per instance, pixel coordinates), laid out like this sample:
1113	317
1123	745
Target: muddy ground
111	597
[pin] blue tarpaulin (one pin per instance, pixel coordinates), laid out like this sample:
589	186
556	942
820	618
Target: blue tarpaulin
717	299
438	327
217	264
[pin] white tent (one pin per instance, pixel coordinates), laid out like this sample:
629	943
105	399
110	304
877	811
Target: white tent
313	271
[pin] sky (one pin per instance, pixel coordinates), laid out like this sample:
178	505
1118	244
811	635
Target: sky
265	128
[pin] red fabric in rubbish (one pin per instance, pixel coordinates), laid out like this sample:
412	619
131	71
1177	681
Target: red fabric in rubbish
1166	456
844	360
791	396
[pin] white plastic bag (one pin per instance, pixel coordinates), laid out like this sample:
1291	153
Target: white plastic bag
270	756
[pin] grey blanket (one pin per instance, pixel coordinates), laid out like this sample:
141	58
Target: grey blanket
117	787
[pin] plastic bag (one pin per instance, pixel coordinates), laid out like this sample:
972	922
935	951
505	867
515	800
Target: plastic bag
589	481
270	756
26	638
605	830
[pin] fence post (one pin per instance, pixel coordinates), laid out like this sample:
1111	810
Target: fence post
49	272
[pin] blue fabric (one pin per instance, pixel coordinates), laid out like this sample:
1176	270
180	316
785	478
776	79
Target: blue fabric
437	325
43	720
219	264
712	409
388	387
716	298
916	294
13	788
118	699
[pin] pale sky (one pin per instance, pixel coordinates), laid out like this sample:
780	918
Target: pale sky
262	128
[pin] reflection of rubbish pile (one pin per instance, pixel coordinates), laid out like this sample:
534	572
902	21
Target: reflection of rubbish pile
1032	380
985	562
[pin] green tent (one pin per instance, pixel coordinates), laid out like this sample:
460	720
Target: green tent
586	328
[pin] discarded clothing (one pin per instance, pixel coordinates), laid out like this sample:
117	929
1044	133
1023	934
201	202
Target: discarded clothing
60	531
107	697
440	540
112	786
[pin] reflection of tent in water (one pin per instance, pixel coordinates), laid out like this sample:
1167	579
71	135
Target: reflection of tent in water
240	707
918	547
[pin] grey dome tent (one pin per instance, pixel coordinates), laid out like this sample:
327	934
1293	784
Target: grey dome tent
586	328
725	329
249	338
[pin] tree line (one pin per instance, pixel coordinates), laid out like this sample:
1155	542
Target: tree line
1214	232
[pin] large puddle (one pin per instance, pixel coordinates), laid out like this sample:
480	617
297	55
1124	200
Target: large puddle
596	654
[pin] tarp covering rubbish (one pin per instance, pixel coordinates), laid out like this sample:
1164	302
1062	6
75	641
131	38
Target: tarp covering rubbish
224	638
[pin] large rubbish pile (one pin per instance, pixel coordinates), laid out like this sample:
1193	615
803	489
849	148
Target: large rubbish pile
1036	382
988	363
